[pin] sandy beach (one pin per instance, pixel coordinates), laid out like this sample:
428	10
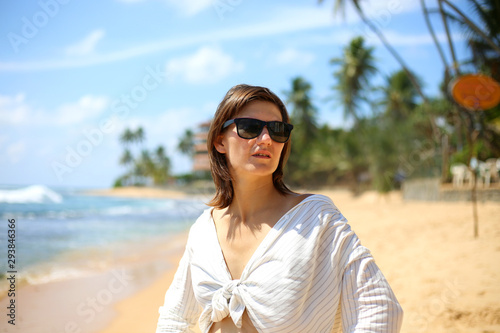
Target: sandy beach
446	280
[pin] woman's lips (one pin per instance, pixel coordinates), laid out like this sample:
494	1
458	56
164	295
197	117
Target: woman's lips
262	154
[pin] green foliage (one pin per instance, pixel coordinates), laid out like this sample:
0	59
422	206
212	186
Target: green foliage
400	96
380	150
118	182
147	167
304	135
186	143
482	55
353	77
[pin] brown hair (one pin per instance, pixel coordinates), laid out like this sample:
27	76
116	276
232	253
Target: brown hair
236	98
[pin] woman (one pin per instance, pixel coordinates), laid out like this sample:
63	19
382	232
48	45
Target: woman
264	258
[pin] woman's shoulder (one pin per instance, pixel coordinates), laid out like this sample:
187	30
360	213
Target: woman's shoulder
315	200
202	223
317	207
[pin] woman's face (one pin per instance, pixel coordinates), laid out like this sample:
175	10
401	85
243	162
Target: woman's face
259	156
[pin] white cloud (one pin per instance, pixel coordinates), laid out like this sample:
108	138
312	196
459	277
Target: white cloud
292	56
87	107
14	110
15	151
85	46
207	65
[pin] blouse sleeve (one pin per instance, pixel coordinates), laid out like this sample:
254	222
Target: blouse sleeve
180	311
368	303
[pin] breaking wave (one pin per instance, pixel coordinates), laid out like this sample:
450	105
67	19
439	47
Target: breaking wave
30	194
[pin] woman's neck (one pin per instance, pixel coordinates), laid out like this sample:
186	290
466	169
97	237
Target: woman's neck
253	197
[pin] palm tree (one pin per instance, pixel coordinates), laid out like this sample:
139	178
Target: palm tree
186	143
340	5
400	96
160	153
303	116
303	111
139	135
353	77
485	41
148	166
485	51
127	137
126	160
162	166
144	167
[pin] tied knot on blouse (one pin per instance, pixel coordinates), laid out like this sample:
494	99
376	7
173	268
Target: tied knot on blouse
228	301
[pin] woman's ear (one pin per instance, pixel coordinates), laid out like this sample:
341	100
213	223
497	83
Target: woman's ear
219	144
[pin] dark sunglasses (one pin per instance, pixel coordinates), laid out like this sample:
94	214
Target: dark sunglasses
249	128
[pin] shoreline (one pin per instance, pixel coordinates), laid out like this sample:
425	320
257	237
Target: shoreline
140	192
86	304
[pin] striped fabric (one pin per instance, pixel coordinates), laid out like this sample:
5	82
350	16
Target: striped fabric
309	274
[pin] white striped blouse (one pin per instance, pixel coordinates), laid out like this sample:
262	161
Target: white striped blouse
309	274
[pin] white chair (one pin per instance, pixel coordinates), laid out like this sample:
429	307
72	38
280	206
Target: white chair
484	174
494	166
461	174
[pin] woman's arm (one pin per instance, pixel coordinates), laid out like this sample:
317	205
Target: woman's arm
180	311
367	302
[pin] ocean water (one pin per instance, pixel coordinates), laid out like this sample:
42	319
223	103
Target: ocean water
62	233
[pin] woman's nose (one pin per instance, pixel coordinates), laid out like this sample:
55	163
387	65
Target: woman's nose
264	136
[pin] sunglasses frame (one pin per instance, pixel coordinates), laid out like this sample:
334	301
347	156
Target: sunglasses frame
262	124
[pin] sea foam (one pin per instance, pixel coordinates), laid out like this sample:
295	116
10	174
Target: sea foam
30	194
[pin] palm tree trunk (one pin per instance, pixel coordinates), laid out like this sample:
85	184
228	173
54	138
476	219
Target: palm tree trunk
448	36
433	34
392	51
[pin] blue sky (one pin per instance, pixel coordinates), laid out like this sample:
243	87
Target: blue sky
75	74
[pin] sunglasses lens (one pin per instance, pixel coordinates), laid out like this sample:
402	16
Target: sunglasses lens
278	131
249	128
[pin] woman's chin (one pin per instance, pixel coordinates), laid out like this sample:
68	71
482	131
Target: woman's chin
256	170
